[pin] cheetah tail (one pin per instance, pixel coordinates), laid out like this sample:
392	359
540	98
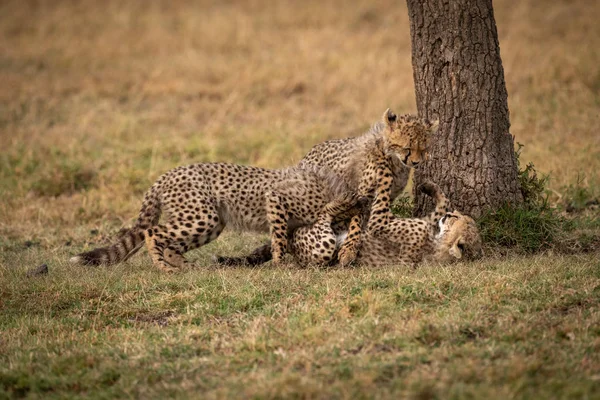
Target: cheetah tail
129	241
127	245
259	256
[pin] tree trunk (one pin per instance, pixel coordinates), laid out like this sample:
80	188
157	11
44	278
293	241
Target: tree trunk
460	80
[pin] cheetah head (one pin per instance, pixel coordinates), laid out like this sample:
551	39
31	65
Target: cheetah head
458	238
408	137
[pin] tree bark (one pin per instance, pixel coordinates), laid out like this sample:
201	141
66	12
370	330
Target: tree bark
459	79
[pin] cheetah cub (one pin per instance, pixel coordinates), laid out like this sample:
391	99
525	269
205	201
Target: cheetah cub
442	236
405	139
199	200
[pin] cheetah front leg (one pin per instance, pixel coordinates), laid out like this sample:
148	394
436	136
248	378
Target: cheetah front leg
316	243
442	204
349	248
278	216
348	251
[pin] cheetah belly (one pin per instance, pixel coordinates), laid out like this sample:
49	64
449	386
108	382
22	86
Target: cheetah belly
377	251
239	216
340	237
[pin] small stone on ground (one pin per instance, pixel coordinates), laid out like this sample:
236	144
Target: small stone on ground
37	271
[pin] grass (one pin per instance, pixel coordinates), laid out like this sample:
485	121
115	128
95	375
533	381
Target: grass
518	328
99	99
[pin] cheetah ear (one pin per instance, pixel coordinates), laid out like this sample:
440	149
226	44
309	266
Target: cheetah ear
455	251
389	117
433	128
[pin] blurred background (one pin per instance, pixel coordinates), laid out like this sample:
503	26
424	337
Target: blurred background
98	98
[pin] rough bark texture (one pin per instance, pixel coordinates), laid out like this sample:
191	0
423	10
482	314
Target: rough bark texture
460	80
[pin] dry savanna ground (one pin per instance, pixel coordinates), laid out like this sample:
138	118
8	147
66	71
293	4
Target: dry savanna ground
98	98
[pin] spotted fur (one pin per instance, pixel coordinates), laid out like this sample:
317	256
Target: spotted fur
318	243
405	140
199	200
441	236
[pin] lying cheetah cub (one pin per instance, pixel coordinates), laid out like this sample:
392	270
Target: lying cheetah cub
405	139
442	236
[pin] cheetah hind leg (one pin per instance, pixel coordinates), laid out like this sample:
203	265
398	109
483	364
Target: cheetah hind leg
174	258
314	244
167	253
156	242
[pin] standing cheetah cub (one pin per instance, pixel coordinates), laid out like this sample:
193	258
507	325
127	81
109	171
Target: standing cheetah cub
199	200
405	140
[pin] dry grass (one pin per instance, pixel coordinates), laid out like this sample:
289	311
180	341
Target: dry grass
99	98
106	96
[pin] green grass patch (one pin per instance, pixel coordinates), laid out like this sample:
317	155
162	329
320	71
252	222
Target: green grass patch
403	206
579	197
44	172
537	225
519	227
525	326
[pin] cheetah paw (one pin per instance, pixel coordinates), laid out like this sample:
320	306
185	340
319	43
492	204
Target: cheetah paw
346	256
429	188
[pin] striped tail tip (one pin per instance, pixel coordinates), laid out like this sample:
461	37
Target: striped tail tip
94	257
76	260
